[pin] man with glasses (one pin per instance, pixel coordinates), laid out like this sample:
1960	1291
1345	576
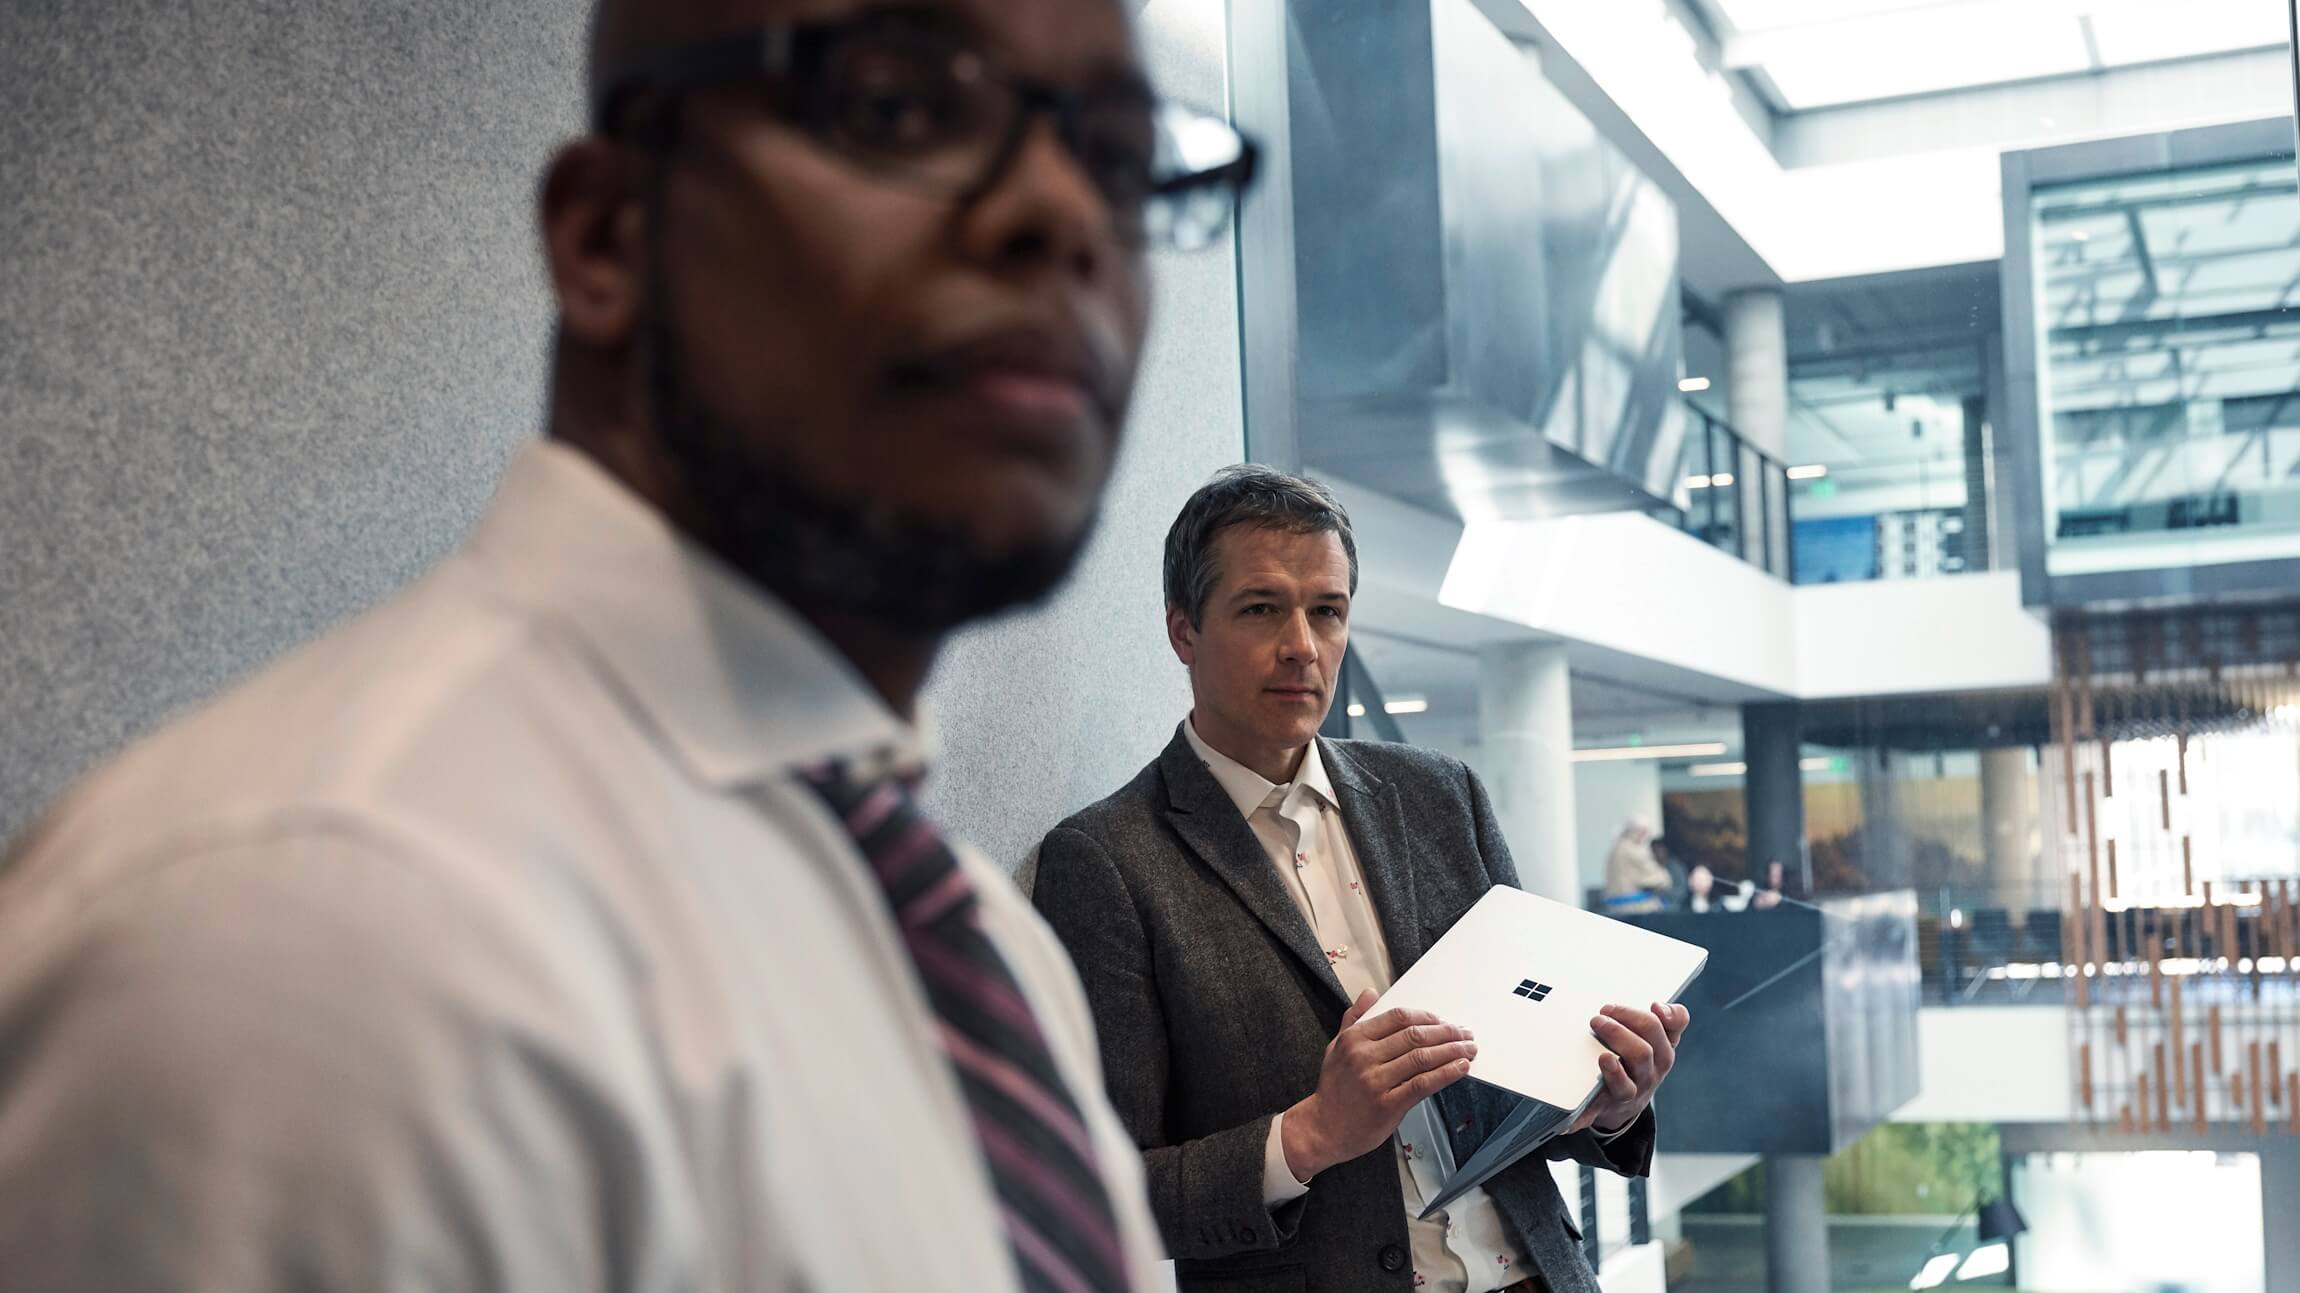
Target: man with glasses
567	923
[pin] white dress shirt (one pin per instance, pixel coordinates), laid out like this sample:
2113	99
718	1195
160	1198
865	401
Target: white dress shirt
491	943
1466	1248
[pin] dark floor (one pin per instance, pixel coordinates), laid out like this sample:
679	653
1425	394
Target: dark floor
1864	1253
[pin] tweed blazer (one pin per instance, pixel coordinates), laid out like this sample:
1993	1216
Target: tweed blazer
1214	1005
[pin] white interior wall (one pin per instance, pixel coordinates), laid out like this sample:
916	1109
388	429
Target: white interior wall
1605	796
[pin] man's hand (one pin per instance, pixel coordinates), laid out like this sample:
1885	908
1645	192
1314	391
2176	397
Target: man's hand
1644	1047
1376	1070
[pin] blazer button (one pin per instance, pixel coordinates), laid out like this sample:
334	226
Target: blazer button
1246	1234
1393	1257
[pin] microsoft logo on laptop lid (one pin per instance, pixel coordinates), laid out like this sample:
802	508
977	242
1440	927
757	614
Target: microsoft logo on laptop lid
1532	991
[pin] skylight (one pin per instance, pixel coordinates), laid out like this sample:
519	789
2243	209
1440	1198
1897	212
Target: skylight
1826	53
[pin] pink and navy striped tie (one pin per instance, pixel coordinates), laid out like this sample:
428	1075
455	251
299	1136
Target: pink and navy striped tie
1057	1212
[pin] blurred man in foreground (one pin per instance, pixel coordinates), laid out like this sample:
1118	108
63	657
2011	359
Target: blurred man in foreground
567	923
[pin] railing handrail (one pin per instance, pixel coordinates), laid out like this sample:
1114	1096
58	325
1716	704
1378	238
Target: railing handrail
1739	439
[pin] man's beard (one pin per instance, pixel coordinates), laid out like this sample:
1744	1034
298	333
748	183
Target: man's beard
823	554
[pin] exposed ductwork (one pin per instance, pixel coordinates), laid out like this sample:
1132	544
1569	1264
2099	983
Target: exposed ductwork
1486	294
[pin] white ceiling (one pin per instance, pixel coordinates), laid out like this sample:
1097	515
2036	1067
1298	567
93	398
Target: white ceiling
1811	54
1903	110
1604	708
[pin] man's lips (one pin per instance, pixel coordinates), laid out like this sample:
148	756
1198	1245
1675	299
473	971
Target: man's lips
1033	370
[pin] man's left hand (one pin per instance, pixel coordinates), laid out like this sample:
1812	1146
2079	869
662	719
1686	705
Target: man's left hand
1642	1046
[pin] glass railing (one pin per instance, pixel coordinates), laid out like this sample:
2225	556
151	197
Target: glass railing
1733	496
1824	523
1982	948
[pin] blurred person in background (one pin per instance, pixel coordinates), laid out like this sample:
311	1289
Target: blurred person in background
1776	890
1635	883
1702	893
1665	853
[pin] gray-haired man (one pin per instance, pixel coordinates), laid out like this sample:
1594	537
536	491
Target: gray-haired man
1236	908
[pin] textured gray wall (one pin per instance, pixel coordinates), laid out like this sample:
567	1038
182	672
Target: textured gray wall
1046	713
271	321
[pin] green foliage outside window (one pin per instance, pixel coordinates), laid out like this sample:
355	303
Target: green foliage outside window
1900	1169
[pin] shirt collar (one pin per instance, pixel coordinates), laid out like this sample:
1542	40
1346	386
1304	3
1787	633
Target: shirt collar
1249	789
731	681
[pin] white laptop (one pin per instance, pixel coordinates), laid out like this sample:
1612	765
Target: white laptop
1526	975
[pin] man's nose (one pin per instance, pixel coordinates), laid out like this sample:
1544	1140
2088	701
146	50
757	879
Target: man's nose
1298	644
1044	213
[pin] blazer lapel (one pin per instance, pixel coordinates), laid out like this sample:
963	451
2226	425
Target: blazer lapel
1377	826
1208	821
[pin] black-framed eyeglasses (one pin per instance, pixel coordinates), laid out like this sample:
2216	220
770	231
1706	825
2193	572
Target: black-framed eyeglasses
917	100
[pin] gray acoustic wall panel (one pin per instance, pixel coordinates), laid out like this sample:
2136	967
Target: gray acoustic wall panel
1050	711
1486	288
272	320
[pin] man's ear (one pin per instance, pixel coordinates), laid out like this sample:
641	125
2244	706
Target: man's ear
1181	637
594	240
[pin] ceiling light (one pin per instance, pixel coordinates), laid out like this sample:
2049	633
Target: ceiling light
1409	705
1693	385
1615	754
1813	471
1833	56
1987	1260
1356	710
2148	33
1722	480
1696	482
1817	764
1935	1273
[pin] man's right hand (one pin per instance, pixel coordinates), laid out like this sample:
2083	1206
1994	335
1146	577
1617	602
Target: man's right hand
1376	1070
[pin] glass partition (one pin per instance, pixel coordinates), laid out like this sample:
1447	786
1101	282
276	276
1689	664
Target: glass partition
1889	428
1733	497
2168	359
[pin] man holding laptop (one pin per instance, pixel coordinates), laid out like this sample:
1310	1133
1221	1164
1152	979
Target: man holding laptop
1236	909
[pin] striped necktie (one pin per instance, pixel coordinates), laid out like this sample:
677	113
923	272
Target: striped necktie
1057	1212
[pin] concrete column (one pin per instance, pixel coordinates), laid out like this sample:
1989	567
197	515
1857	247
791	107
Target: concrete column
2008	829
2279	1203
1978	437
1796	1225
1757	369
1525	719
1886	854
1773	790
